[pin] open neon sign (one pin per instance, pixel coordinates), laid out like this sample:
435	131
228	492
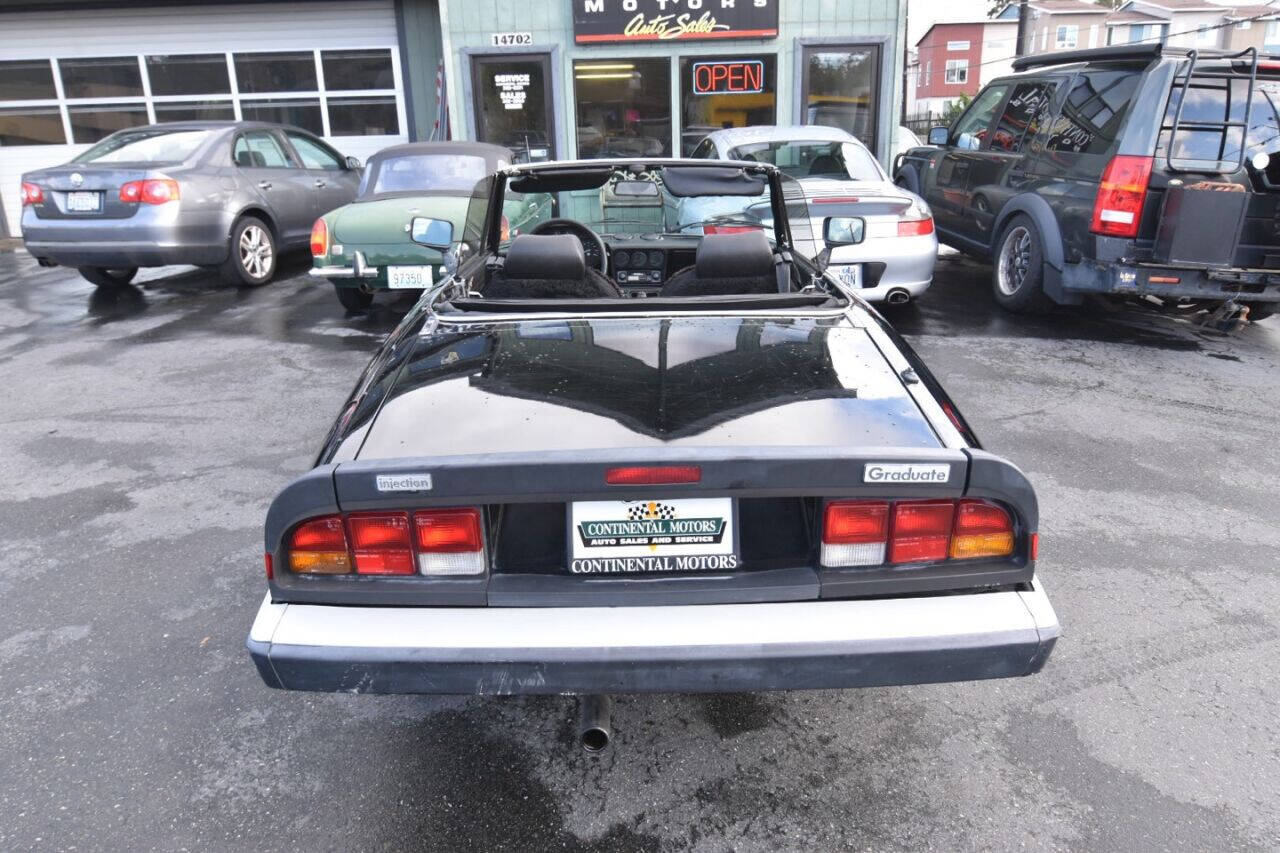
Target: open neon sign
735	77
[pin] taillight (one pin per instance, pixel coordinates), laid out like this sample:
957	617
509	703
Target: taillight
380	543
921	531
915	227
981	530
854	533
506	228
1117	210
150	191
319	239
449	542
319	547
875	533
31	194
653	475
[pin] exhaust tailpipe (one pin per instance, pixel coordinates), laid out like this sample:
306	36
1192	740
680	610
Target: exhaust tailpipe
897	296
594	730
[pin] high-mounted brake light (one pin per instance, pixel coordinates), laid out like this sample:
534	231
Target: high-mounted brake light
150	191
854	533
380	542
31	194
837	199
981	530
319	239
319	547
653	475
921	531
1117	210
449	541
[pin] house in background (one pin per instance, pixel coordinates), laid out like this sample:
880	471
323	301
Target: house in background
958	58
1056	25
1262	33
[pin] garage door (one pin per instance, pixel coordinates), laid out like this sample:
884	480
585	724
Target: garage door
69	79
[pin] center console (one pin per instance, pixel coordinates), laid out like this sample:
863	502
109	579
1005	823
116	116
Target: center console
640	269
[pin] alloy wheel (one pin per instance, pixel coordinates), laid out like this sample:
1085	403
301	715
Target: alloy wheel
1015	260
256	253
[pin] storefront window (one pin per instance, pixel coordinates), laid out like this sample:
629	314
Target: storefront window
31	126
721	91
840	89
195	111
92	122
623	107
276	72
194	74
301	112
111	77
357	69
26	80
369	116
512	105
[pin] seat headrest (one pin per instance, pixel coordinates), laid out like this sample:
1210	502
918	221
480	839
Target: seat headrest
545	256
742	255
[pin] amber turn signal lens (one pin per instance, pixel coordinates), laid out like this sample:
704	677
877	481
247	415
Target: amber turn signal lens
981	530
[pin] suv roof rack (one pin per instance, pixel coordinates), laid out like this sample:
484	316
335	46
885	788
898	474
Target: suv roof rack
1119	52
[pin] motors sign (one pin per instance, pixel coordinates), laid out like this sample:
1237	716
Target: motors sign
603	21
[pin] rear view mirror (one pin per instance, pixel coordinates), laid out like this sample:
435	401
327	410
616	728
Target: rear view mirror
842	230
433	233
938	135
353	163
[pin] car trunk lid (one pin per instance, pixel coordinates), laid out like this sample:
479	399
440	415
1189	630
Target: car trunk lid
383	224
87	190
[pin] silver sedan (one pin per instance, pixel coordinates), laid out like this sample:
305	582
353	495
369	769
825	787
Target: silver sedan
227	195
880	236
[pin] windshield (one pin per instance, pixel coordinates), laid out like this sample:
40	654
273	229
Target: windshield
424	172
806	159
146	146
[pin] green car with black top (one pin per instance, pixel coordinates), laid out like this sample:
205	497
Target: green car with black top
410	207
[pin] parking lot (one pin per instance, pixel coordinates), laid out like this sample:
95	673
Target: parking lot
146	430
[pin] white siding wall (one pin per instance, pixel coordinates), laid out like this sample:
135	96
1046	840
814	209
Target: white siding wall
203	29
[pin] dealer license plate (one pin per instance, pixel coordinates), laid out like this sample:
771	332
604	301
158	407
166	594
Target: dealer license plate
660	535
408	278
84	202
850	275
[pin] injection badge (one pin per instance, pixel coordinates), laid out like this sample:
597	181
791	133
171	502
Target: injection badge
404	482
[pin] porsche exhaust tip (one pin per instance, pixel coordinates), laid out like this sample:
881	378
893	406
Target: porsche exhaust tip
898	296
594	730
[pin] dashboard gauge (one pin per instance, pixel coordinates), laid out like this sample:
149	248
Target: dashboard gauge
655	259
621	259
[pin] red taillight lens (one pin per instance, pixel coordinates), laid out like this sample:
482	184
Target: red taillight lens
150	191
982	529
729	229
266	558
921	531
915	227
450	541
1117	211
319	239
854	533
505	228
31	194
319	546
653	475
836	199
380	541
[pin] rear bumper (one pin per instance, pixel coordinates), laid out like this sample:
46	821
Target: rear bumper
148	239
907	264
1242	285
676	649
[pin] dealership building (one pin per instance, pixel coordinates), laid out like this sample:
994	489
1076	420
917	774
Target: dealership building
552	79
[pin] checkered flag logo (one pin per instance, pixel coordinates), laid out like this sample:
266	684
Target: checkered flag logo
650	510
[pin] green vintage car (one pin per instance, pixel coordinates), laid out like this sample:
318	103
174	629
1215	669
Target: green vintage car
393	236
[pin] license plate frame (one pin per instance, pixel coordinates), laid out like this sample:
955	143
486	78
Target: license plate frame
597	551
409	277
84	201
850	275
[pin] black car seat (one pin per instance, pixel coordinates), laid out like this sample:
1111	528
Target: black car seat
247	159
826	164
547	266
727	264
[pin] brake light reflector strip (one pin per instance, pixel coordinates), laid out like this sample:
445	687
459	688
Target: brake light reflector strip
876	533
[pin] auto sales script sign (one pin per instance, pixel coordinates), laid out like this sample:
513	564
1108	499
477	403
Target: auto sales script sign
598	21
674	535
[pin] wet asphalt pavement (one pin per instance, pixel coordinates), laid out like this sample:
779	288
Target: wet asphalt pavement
145	432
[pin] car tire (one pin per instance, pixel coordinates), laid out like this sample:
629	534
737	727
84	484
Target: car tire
251	260
353	299
104	277
1017	272
1261	310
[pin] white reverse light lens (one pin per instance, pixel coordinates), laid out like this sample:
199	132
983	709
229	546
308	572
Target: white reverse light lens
863	554
467	563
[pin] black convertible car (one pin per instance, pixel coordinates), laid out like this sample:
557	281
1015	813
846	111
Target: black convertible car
608	455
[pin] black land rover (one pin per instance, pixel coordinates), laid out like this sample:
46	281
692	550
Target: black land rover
1136	169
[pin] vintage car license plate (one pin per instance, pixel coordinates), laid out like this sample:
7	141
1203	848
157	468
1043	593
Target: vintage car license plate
659	535
408	278
850	275
84	202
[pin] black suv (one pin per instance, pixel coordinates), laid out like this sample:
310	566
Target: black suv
1065	175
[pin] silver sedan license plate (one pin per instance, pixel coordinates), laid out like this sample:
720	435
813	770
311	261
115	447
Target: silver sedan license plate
850	275
84	202
661	535
408	278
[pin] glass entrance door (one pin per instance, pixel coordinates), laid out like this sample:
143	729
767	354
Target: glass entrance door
841	88
513	104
